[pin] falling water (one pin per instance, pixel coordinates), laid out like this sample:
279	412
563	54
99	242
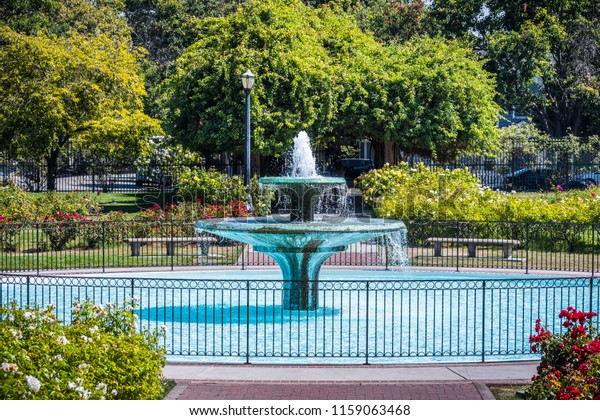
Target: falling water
303	161
397	249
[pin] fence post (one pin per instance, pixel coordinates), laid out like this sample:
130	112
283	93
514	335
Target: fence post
174	245
483	321
247	322
593	249
28	282
456	245
367	326
386	242
103	245
591	294
526	247
37	248
243	255
132	285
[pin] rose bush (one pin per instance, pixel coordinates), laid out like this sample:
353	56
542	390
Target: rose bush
100	355
570	363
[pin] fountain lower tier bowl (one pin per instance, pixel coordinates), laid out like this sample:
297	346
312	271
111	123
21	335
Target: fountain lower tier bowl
273	234
300	248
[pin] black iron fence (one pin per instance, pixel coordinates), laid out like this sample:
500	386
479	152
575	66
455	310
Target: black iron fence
113	176
374	321
523	246
523	165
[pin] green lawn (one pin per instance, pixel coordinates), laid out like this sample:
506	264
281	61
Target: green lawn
508	392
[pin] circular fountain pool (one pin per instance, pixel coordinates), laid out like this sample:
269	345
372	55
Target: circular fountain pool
234	315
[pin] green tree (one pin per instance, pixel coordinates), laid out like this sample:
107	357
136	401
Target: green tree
280	42
545	54
317	71
440	100
165	28
58	17
392	21
78	89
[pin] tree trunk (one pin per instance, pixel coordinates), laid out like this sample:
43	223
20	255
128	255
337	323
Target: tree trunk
52	162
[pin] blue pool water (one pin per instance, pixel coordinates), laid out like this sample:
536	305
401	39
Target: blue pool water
375	316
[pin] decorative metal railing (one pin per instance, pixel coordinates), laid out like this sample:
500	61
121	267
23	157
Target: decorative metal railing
105	245
369	321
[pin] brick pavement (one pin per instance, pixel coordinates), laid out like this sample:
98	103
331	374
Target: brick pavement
290	390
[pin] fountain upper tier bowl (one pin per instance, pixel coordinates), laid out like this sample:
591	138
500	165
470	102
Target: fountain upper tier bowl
307	180
304	192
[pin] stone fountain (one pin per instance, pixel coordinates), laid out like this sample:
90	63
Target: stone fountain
300	243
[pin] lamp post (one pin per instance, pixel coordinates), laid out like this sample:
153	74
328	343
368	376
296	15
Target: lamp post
248	82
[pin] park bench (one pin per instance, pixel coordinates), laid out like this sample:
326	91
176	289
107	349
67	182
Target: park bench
203	243
472	243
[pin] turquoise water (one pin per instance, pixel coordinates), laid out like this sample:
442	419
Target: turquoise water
383	316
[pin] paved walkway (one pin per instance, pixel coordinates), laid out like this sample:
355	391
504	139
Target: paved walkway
417	382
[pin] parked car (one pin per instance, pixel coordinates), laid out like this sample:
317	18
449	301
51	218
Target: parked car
530	179
585	180
351	168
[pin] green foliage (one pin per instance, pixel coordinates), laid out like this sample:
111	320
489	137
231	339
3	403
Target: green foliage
204	188
61	228
280	41
412	193
100	355
61	16
420	194
570	362
210	186
83	203
441	100
16	205
72	89
317	71
262	197
8	233
392	21
544	53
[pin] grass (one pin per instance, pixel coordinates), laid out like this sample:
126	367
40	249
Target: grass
118	255
508	392
133	202
167	386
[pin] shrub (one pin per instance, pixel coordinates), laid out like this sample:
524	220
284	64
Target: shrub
92	232
61	228
16	205
570	364
262	197
99	356
210	186
19	206
418	192
85	204
8	233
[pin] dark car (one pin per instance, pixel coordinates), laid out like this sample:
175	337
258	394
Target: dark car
351	168
530	179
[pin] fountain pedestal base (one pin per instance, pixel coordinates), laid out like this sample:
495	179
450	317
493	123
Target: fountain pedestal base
300	270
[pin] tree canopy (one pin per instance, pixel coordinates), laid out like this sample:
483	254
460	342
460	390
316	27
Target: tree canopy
58	90
544	53
317	71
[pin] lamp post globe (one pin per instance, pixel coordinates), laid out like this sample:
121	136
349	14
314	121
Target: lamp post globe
248	79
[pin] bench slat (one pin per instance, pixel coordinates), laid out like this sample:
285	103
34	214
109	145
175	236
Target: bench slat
507	245
478	241
136	243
